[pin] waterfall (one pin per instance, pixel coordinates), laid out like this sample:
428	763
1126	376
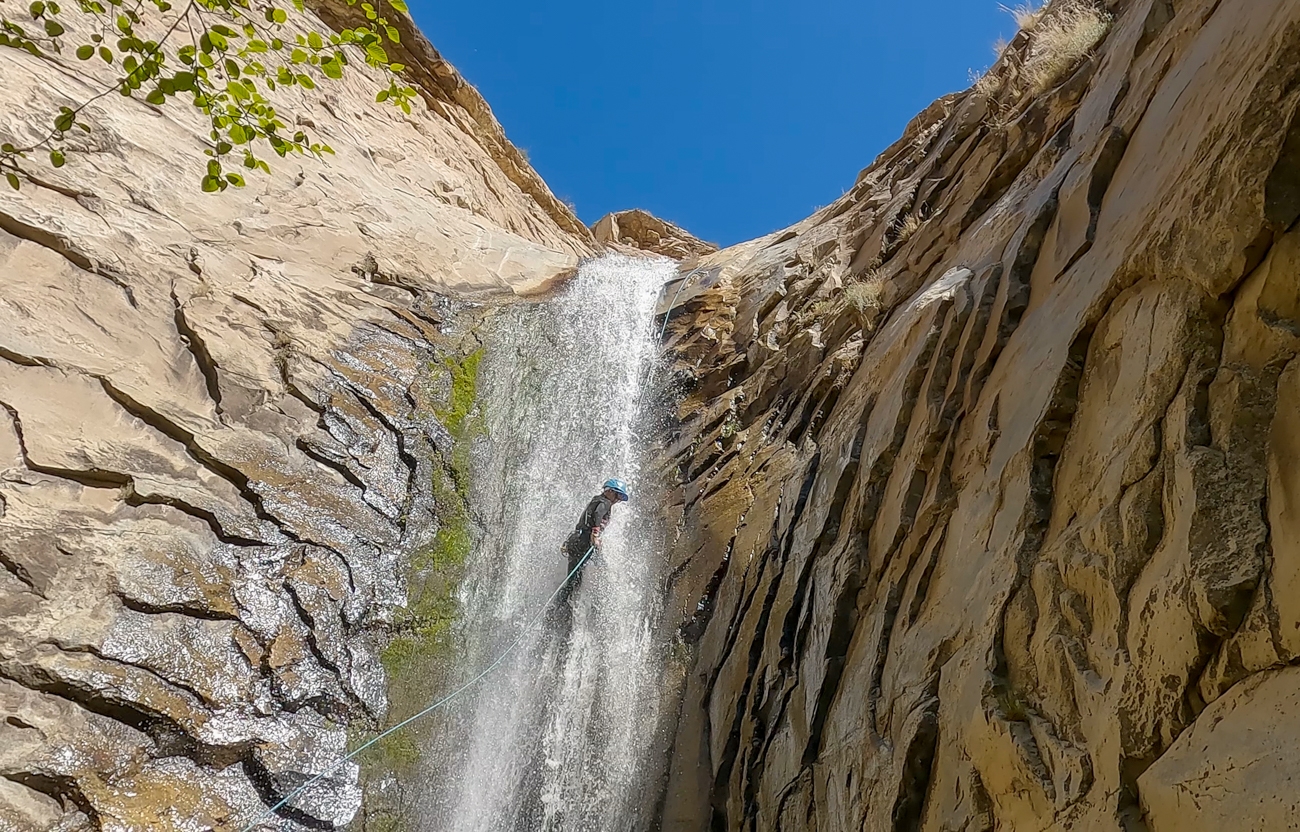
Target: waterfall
558	739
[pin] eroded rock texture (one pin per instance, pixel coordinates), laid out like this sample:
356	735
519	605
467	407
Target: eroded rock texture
217	436
642	231
991	466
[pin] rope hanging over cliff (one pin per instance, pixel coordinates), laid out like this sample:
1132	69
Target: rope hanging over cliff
482	675
435	706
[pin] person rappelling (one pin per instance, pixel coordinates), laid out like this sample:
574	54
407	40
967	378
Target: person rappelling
585	539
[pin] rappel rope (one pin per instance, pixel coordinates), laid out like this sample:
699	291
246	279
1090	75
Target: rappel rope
668	313
435	706
472	682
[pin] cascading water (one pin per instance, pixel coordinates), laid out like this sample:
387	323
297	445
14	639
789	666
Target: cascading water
557	739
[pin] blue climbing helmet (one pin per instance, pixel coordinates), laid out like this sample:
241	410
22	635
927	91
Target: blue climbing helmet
618	487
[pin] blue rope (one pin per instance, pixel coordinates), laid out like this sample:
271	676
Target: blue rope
435	706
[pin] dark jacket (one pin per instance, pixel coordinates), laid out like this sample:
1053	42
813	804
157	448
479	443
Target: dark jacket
594	516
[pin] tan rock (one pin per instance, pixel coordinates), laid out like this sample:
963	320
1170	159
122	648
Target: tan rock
217	433
1234	768
1027	564
643	231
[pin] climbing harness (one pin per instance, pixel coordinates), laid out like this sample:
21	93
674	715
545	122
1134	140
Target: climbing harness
621	488
435	706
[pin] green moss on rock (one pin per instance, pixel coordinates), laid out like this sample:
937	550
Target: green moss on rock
424	639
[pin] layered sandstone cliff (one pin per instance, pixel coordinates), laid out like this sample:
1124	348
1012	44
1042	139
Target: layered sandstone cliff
643	231
990	467
221	425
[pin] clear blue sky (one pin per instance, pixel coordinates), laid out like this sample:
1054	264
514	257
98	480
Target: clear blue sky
730	118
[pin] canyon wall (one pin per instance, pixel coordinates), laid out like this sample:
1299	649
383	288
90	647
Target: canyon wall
222	423
990	468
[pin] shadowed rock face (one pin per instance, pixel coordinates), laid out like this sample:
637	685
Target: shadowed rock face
218	435
1011	543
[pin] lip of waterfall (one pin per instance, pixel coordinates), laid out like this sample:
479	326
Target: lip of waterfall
558	738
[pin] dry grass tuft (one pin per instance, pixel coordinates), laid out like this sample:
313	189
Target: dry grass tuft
987	84
1027	15
867	297
910	225
1062	38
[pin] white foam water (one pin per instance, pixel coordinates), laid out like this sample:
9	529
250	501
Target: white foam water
559	738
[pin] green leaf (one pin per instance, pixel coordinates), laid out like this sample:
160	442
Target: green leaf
393	35
223	148
8	148
382	96
224	31
214	168
53	28
157	97
36	9
298	56
13	181
306	82
65	120
279	15
396	67
332	68
85	52
235	179
399	5
57	159
123	23
257	46
183	81
314	41
238	90
211	184
106	54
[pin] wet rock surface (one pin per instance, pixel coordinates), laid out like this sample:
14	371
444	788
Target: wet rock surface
989	467
218	437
